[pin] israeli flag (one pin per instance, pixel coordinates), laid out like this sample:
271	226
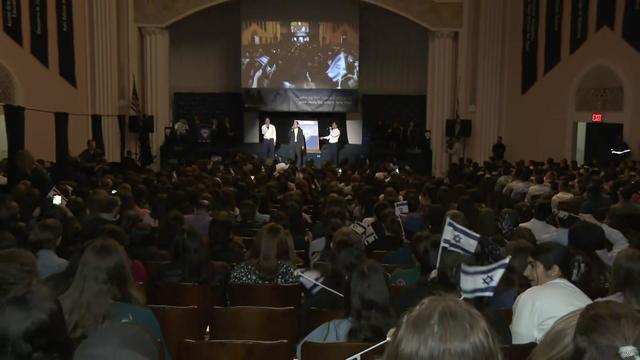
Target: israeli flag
338	67
459	239
478	281
310	279
365	230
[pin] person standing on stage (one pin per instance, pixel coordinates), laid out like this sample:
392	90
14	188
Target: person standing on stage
498	149
333	137
268	139
296	143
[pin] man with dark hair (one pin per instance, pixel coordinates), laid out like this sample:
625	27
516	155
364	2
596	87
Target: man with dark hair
539	189
44	239
498	149
297	143
91	156
538	225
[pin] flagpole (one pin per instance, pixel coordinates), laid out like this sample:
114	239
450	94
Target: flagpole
440	248
321	285
357	356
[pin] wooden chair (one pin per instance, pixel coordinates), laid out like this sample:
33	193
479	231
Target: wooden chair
518	351
344	350
234	350
186	294
316	317
178	323
254	323
378	255
265	295
153	268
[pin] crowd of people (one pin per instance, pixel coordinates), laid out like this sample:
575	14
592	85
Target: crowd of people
68	270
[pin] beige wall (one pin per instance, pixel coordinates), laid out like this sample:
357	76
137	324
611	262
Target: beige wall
540	123
43	88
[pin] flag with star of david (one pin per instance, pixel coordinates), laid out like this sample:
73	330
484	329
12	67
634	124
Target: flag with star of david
478	281
457	238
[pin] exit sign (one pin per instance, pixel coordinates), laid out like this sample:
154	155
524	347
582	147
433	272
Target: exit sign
597	117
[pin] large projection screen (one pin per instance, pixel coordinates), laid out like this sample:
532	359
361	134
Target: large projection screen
300	55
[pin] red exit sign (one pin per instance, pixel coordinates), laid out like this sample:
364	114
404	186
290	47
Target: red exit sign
597	117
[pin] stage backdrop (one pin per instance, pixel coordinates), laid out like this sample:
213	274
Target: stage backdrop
391	108
206	106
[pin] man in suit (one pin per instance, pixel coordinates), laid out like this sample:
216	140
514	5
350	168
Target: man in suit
296	143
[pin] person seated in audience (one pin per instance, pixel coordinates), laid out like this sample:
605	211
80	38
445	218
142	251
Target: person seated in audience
222	247
346	254
44	239
564	194
625	287
558	343
122	341
32	326
443	327
269	261
28	169
407	257
550	297
369	313
539	189
419	248
538	225
200	219
91	156
607	330
190	263
18	271
103	291
590	273
103	209
518	188
566	217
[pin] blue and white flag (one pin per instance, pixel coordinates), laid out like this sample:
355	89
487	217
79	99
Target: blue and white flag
365	230
481	280
312	280
338	67
457	238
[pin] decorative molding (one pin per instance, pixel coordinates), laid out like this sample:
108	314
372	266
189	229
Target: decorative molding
431	14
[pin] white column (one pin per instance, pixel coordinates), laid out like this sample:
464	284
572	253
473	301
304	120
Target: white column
441	93
103	49
156	95
490	79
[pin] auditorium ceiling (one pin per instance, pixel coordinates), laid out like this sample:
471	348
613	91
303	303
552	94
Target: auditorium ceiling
433	14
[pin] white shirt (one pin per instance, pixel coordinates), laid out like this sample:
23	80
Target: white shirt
333	137
295	135
539	228
538	308
560	197
537	190
560	236
269	132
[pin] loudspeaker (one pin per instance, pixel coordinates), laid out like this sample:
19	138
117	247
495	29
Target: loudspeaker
147	124
134	123
450	128
465	128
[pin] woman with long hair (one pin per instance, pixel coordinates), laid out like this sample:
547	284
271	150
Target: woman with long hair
550	297
369	312
103	291
191	261
625	275
443	327
270	260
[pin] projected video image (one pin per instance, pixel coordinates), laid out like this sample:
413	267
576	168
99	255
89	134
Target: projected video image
300	54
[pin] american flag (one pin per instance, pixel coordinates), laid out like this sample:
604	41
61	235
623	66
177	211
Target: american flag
135	100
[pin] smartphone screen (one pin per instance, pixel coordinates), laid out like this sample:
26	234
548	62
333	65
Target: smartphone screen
57	200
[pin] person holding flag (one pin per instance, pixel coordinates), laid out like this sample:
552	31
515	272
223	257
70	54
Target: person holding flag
457	238
338	68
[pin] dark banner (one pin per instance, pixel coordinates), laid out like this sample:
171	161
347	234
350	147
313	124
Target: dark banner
96	131
302	100
66	51
14	122
579	23
12	19
39	30
122	127
606	14
62	139
631	23
531	15
553	34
